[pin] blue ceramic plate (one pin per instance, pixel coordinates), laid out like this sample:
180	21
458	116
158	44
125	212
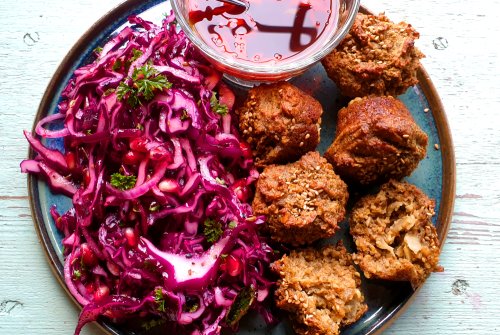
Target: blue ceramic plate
435	174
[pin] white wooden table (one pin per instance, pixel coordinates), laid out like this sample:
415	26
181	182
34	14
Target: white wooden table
461	41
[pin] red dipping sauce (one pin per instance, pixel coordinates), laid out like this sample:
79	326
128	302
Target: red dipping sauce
266	31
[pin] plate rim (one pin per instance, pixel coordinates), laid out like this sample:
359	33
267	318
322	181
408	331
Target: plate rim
424	81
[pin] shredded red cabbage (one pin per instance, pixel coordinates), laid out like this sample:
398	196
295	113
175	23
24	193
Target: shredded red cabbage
160	226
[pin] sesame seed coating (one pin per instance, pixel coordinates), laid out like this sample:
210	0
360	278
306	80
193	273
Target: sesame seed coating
320	288
376	140
377	57
280	122
302	201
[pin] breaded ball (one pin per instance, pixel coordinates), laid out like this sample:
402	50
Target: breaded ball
394	235
302	201
320	288
377	57
280	122
376	140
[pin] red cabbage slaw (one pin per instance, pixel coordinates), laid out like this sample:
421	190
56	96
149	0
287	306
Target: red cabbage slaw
160	227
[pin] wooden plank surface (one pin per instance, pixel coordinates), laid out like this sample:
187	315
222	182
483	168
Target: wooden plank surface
460	39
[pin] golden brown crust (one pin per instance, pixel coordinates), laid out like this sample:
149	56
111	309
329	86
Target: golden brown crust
280	122
302	201
376	139
394	235
320	288
377	57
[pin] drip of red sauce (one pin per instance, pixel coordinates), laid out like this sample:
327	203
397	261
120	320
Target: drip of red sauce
267	30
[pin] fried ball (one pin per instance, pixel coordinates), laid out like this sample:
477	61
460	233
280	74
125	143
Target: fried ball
376	140
394	235
280	122
377	57
302	201
320	288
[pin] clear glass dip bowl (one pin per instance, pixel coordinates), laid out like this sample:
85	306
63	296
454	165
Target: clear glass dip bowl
245	72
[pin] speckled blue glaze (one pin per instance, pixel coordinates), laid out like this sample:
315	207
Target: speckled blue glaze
384	298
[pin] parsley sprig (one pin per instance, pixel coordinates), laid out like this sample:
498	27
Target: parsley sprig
216	105
144	83
77	274
212	230
120	64
123	182
136	54
159	299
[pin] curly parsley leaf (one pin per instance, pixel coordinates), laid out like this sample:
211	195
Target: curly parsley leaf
124	91
145	82
217	107
123	182
212	230
160	299
136	54
117	65
109	91
77	274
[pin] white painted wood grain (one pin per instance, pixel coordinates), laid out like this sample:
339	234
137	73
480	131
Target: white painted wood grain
466	74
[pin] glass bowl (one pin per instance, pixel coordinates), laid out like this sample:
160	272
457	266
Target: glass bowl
244	71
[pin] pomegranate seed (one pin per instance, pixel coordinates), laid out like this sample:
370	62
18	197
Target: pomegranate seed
226	96
139	144
132	158
211	78
90	288
88	256
160	153
168	185
73	144
241	190
70	158
246	150
113	268
86	177
131	236
101	293
233	266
